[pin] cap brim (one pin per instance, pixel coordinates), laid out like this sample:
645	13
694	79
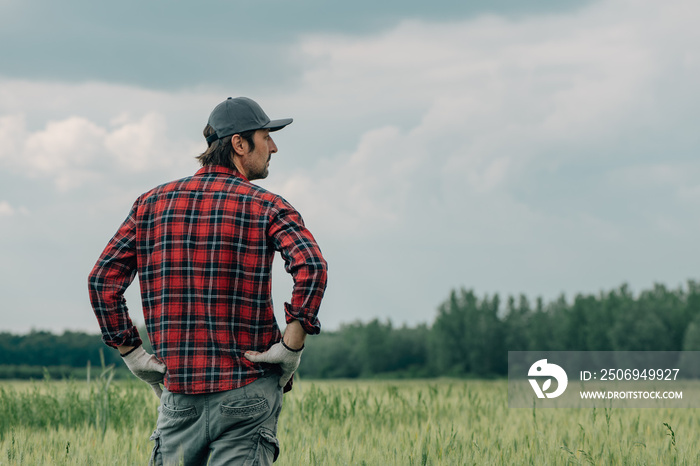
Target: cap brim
276	125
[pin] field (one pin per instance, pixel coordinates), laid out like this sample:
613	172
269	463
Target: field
426	422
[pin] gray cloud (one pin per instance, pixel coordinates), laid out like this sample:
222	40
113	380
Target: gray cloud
522	153
180	44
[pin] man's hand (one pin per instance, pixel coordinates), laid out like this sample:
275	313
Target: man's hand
146	367
279	353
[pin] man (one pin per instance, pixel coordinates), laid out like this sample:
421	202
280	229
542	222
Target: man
203	248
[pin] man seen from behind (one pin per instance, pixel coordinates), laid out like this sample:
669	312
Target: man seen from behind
203	248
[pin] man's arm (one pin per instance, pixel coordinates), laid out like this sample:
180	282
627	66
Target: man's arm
112	274
143	365
286	353
294	335
123	349
109	279
304	262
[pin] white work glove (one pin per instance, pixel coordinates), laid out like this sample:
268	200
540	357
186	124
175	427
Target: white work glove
146	367
281	354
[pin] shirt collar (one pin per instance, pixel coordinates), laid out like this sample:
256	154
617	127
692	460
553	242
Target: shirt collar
220	169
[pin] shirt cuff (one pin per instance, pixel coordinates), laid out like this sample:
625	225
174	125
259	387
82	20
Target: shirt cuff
310	324
128	337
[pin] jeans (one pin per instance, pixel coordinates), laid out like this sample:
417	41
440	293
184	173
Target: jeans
234	427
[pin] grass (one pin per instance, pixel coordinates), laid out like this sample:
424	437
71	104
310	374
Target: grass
419	422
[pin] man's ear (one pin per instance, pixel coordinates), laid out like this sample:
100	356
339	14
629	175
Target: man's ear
237	143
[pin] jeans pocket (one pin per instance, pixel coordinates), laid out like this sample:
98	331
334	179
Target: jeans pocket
268	446
245	408
178	412
176	417
156	458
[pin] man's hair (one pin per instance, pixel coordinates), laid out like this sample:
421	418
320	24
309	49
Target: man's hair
220	152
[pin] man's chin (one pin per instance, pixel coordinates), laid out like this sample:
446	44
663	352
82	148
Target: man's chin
259	176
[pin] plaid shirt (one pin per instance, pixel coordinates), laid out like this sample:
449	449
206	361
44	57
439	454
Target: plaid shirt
203	248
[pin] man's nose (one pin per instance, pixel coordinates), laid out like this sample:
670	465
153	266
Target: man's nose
272	146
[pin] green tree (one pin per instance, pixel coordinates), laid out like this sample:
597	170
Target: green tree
465	335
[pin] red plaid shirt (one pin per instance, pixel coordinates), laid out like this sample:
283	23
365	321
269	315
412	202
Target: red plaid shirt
203	248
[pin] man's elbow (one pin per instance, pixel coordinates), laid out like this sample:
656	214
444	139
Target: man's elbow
94	279
320	271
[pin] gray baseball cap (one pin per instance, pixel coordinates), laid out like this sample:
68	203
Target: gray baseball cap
233	116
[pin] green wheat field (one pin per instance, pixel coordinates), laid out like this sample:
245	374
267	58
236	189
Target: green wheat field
416	422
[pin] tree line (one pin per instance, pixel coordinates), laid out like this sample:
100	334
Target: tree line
470	336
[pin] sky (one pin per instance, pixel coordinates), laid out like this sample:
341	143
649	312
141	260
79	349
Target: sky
538	148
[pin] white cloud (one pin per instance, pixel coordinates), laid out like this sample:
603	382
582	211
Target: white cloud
528	160
136	144
62	145
12	132
367	188
74	151
6	209
503	101
508	155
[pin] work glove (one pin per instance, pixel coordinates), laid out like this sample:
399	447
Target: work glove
146	367
281	354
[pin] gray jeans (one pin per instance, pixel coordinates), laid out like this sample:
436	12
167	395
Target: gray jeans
233	427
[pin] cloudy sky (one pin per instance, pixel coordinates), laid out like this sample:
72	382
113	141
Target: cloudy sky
539	147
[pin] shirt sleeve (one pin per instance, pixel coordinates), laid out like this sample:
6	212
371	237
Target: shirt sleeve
112	274
303	260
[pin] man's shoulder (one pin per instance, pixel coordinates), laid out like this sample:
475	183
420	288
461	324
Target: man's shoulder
263	194
170	186
269	201
217	183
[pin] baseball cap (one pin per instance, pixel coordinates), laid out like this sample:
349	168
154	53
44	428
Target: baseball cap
233	116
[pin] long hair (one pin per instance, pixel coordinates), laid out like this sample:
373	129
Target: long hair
220	152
